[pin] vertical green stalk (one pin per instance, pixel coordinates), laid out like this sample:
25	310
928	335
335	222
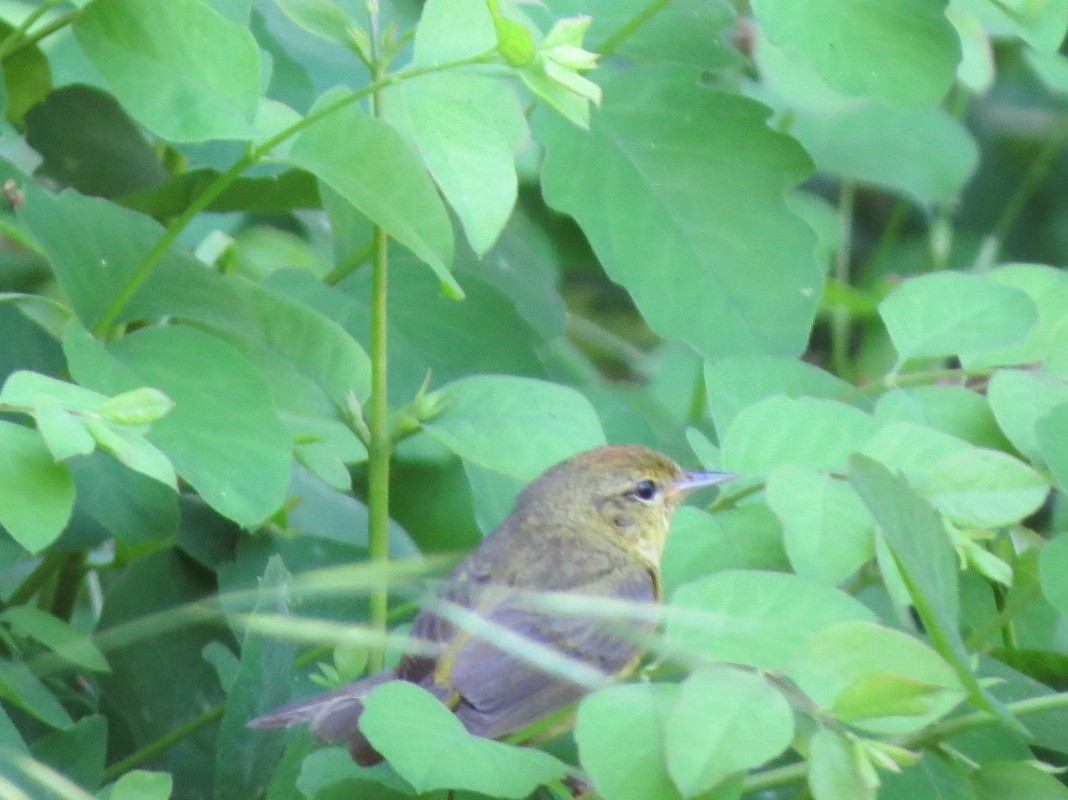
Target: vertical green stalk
840	322
381	449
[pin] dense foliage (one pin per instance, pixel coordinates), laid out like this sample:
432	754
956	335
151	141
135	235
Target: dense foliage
295	296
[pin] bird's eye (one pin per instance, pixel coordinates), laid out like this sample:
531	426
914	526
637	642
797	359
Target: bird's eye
645	490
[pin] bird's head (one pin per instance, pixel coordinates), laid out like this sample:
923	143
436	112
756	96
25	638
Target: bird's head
627	492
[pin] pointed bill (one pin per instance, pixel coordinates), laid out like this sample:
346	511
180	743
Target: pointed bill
699	478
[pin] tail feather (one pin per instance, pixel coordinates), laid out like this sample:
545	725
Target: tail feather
332	714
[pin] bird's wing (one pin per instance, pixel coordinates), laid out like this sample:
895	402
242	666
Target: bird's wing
501	691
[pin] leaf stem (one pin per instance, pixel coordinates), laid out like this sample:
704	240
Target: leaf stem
895	381
157	746
840	320
650	10
106	320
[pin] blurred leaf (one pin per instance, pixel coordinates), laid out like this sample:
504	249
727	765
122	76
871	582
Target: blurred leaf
137	407
223	436
77	752
724	721
27	77
736	382
660	140
834	771
1052	432
450	30
407	206
516	426
286	191
243	760
1019	399
925	153
36	493
618	733
71	644
953	313
24	690
748	536
806	432
159	680
465	129
931	776
430	749
827	532
329	773
756	618
875	678
900	51
1041	25
89	143
689	32
180	69
1053	567
139	784
1007	780
324	18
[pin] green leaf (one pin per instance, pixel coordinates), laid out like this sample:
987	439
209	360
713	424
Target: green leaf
827	532
834	771
223	437
954	410
925	153
955	313
748	536
1052	432
64	639
23	689
618	733
1047	342
806	432
660	140
451	30
77	752
465	129
324	18
922	552
1011	780
739	381
120	504
88	142
407	206
139	407
1041	25
24	388
244	761
1053	566
430	749
1019	399
36	493
133	450
903	52
724	721
931	777
756	618
140	784
516	426
875	678
181	69
65	434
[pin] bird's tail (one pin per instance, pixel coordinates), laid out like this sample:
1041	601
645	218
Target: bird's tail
333	715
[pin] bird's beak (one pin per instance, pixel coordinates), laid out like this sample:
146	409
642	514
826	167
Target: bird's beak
700	478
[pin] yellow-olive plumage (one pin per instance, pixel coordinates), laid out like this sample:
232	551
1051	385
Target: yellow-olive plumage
593	525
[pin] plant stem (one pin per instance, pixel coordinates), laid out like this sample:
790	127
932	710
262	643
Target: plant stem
840	321
609	45
106	320
928	737
52	561
157	746
1034	175
16	37
380	450
896	381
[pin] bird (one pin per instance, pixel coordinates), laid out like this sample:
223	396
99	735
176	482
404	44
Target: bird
592	525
